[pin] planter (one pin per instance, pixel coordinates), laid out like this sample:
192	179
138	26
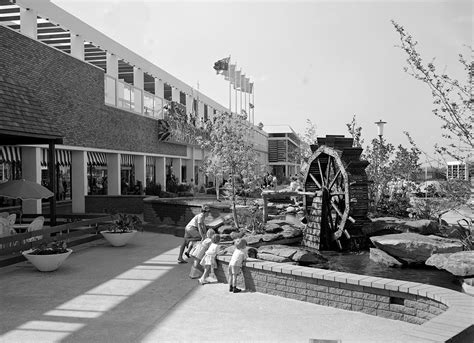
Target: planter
118	239
46	263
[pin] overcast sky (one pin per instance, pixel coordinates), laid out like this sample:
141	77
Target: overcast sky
318	60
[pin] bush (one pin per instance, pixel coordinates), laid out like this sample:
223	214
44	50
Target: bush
153	189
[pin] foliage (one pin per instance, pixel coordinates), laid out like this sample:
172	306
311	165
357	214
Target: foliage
125	223
452	99
308	138
406	163
153	189
231	150
452	193
356	132
252	218
51	248
172	183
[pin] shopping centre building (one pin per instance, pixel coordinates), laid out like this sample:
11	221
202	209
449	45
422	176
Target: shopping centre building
108	117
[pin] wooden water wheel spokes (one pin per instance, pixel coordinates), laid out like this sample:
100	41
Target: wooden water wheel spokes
332	180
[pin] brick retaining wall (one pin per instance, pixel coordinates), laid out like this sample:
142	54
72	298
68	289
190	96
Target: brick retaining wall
442	314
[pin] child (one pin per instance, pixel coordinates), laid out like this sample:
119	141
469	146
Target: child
200	250
194	231
209	259
235	265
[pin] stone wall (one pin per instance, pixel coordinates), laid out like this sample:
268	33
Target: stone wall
114	203
431	307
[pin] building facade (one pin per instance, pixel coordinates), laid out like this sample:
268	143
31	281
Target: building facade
283	151
122	119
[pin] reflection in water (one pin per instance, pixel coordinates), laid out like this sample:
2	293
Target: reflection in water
360	263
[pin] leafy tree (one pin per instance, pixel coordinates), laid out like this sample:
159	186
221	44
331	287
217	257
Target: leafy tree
308	138
452	99
356	132
231	152
406	164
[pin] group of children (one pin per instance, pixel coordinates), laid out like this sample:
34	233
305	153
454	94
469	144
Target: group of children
206	251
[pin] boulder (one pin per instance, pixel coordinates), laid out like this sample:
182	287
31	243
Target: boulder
273	228
381	257
271	237
306	257
226	238
422	226
415	248
290	209
459	263
272	258
225	229
392	225
278	250
253	239
290	232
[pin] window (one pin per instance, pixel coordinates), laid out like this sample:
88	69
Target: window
168	92
182	98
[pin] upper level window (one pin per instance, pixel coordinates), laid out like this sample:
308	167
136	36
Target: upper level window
205	113
182	98
168	92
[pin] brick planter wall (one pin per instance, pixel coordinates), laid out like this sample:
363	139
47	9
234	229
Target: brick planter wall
114	203
443	314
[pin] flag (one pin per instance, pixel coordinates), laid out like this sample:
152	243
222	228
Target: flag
242	83
251	105
222	65
230	73
237	79
247	85
251	87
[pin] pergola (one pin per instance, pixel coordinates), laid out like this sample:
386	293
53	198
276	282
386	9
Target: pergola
23	122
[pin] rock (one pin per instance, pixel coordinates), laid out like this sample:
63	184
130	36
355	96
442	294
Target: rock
305	257
391	225
278	250
459	263
415	248
270	237
253	239
290	209
226	238
229	250
379	256
273	228
235	234
225	229
280	206
277	222
272	258
290	232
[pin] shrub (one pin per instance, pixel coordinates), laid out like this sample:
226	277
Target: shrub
153	189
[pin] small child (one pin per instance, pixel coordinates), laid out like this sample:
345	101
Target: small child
235	265
200	250
209	259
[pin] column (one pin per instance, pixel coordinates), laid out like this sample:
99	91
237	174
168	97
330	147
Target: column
174	94
177	169
138	81
79	181
113	174
160	172
140	171
112	65
28	24
77	46
159	88
31	171
189	104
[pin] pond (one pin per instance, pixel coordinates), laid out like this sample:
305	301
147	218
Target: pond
360	263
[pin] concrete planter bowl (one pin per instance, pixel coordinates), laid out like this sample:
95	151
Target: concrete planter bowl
118	239
46	263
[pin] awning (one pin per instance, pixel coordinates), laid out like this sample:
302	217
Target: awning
10	154
127	160
150	161
96	158
63	157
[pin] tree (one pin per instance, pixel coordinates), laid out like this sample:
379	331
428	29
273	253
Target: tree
356	132
231	152
406	164
452	99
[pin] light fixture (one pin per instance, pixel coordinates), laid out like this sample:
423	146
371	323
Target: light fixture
380	125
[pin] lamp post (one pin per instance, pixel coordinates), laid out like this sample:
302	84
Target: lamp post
380	125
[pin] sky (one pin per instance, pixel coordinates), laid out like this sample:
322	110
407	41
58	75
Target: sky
325	61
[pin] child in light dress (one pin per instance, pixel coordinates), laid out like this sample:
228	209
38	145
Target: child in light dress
200	250
209	260
235	265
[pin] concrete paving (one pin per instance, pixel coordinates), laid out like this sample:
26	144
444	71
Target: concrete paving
138	293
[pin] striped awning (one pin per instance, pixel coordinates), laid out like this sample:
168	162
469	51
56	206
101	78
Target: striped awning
10	154
127	160
150	161
63	157
96	158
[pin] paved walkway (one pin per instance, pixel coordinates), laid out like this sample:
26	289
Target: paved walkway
138	293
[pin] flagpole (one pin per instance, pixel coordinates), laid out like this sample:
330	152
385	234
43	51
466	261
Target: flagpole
241	94
245	103
230	88
235	86
253	103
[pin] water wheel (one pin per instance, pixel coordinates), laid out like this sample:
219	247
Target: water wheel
337	184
